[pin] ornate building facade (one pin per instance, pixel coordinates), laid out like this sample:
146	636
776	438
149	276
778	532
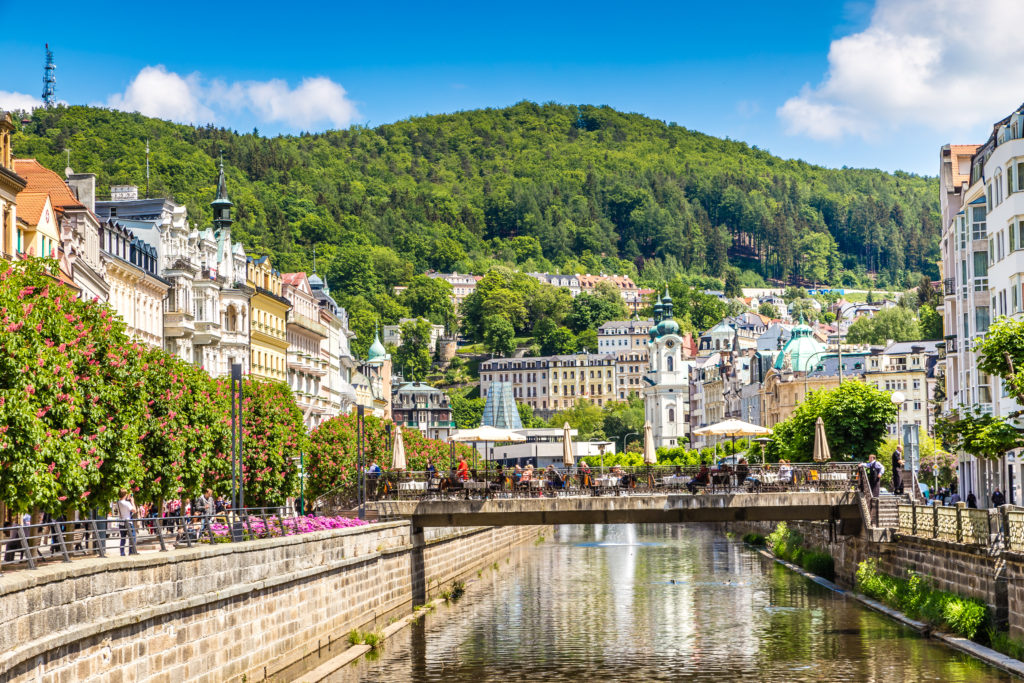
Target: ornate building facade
666	384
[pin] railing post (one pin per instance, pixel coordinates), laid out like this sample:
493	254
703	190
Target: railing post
1004	522
913	517
59	532
25	549
960	507
935	521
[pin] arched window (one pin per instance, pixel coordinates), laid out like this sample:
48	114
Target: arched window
671	414
669	360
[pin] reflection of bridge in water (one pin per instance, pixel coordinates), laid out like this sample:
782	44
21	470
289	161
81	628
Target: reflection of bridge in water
835	506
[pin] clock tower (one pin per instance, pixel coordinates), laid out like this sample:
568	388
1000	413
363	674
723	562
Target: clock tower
666	384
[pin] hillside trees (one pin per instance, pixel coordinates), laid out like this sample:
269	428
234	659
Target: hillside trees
546	187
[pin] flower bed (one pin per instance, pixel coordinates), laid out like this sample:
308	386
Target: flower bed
289	526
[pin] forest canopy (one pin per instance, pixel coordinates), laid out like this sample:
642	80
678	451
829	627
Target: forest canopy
549	187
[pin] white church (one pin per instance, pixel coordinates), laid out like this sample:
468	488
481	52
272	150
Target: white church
667	382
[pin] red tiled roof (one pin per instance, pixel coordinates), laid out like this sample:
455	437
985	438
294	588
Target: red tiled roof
31	205
293	279
42	179
956	152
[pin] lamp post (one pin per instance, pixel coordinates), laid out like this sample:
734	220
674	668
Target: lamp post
625	439
898	397
361	413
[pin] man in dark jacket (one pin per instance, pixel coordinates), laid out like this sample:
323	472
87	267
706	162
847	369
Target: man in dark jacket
897	471
972	500
998	498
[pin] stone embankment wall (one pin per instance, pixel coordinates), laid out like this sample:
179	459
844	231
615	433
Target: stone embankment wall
967	570
228	611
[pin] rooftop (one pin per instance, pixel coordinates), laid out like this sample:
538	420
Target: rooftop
42	179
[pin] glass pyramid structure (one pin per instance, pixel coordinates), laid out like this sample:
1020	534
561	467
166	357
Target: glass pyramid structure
500	410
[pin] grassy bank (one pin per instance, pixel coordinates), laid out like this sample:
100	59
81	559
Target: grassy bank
787	544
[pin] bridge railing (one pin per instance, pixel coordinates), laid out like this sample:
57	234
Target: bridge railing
511	483
1001	527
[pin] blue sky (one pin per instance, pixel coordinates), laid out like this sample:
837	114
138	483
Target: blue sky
834	83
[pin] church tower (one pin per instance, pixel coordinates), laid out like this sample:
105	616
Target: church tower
666	384
222	227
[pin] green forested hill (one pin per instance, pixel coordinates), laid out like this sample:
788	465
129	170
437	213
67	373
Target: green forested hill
538	186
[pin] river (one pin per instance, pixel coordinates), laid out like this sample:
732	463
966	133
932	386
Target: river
657	602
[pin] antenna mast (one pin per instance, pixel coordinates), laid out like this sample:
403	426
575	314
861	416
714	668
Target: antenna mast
49	79
147	168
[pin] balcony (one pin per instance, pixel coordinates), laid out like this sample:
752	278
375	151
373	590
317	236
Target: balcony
178	324
206	333
949	286
307	323
951	344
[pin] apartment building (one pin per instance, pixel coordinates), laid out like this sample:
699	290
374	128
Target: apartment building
617	336
982	247
551	383
907	367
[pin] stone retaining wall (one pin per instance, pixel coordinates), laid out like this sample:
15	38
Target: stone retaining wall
971	571
218	613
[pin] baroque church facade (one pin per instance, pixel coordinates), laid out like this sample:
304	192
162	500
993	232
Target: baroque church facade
666	389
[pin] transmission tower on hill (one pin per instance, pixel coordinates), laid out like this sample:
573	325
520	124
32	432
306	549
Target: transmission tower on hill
49	79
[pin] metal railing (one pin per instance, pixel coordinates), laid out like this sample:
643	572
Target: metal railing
511	483
30	545
1001	527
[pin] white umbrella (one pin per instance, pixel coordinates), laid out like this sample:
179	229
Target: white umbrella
486	434
732	427
398	450
650	457
567	458
821	453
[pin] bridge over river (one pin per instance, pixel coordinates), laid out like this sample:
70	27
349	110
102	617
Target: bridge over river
837	506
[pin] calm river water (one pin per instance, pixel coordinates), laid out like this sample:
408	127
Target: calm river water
649	603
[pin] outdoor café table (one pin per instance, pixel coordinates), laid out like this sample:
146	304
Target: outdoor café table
675	480
412	486
607	481
833	476
475	485
537	483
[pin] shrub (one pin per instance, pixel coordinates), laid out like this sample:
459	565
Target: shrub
788	545
754	539
915	598
820	563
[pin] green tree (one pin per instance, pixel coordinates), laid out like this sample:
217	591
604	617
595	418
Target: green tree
467	413
585	416
856	417
71	406
499	335
430	298
413	356
590	311
623	417
930	322
768	310
897	324
558	341
733	288
803	309
273	436
587	339
818	256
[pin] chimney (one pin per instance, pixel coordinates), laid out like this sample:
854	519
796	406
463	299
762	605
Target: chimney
84	187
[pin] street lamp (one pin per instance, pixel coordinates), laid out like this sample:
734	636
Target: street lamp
898	397
626	438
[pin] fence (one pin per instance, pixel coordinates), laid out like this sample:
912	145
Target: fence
29	545
996	527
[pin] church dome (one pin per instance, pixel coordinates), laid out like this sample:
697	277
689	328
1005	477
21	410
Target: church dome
315	282
800	350
377	351
668	326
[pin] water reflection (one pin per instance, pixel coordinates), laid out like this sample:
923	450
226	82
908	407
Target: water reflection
657	603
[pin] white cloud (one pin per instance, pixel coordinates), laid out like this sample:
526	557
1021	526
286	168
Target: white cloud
946	64
164	94
11	101
158	92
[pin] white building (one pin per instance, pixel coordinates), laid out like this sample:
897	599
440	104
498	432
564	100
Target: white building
206	312
307	366
392	334
666	385
336	386
982	198
462	285
618	336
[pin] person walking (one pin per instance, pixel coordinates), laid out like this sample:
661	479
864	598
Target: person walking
125	510
998	499
875	471
955	498
897	471
972	500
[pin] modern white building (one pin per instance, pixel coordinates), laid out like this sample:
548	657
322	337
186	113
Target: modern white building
982	199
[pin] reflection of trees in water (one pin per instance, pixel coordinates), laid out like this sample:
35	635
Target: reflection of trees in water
595	602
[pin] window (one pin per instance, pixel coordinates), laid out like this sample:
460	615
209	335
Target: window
978	230
981	319
980	271
671	414
1009	180
669	360
963	230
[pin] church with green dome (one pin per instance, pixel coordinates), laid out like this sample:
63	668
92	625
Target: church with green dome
800	351
666	385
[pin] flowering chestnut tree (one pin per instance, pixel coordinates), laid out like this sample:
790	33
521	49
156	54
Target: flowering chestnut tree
187	427
332	459
273	435
70	402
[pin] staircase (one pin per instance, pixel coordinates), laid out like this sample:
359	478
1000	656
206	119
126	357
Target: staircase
888	510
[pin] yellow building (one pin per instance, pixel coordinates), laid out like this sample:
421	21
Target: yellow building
268	351
10	185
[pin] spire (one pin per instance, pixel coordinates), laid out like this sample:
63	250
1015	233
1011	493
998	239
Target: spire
221	205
